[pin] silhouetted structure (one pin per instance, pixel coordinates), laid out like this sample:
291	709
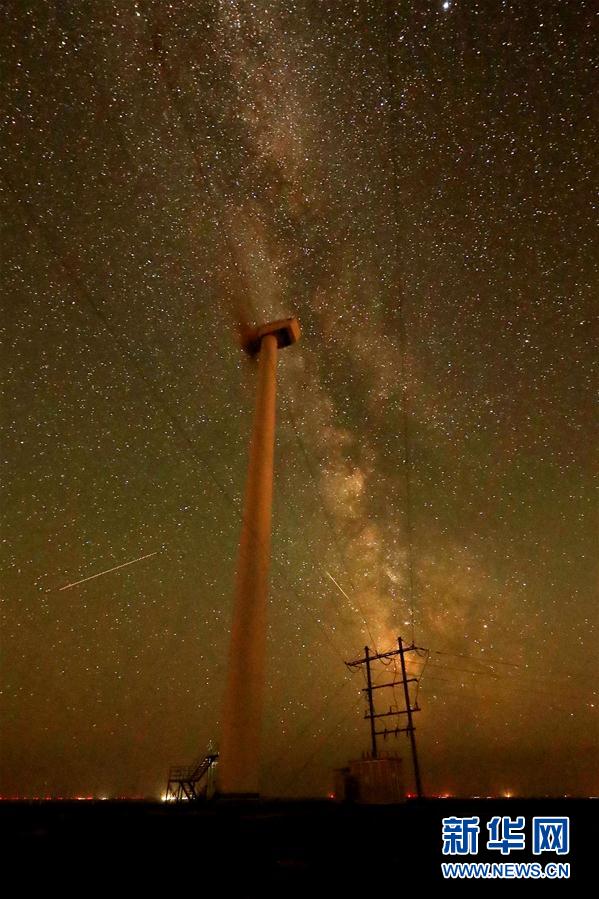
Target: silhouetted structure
191	782
374	716
378	781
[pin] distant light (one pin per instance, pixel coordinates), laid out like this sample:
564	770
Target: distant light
446	4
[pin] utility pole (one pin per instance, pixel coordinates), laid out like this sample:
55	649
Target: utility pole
409	710
370	703
239	755
373	716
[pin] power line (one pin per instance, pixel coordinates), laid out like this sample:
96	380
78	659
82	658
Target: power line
343	593
491	660
174	96
548	697
169	81
421	674
403	380
150	384
489	671
321	744
158	51
296	737
332	529
511	678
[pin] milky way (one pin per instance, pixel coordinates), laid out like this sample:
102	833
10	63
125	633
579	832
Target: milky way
413	182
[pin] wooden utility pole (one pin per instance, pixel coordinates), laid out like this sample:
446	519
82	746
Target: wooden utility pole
410	728
370	704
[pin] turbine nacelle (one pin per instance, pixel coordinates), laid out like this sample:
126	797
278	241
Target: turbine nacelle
286	330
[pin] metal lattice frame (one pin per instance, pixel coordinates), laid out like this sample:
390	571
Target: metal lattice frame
190	782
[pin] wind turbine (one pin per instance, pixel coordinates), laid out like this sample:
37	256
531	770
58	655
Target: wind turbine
239	752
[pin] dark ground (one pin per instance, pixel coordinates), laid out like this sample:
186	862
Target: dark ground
265	848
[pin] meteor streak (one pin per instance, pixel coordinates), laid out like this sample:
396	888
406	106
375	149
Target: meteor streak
341	590
108	570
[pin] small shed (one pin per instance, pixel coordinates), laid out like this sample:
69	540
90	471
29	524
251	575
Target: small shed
371	781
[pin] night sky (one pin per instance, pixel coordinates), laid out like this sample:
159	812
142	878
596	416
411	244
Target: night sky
413	181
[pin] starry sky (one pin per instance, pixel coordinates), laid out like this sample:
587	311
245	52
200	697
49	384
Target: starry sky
413	181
